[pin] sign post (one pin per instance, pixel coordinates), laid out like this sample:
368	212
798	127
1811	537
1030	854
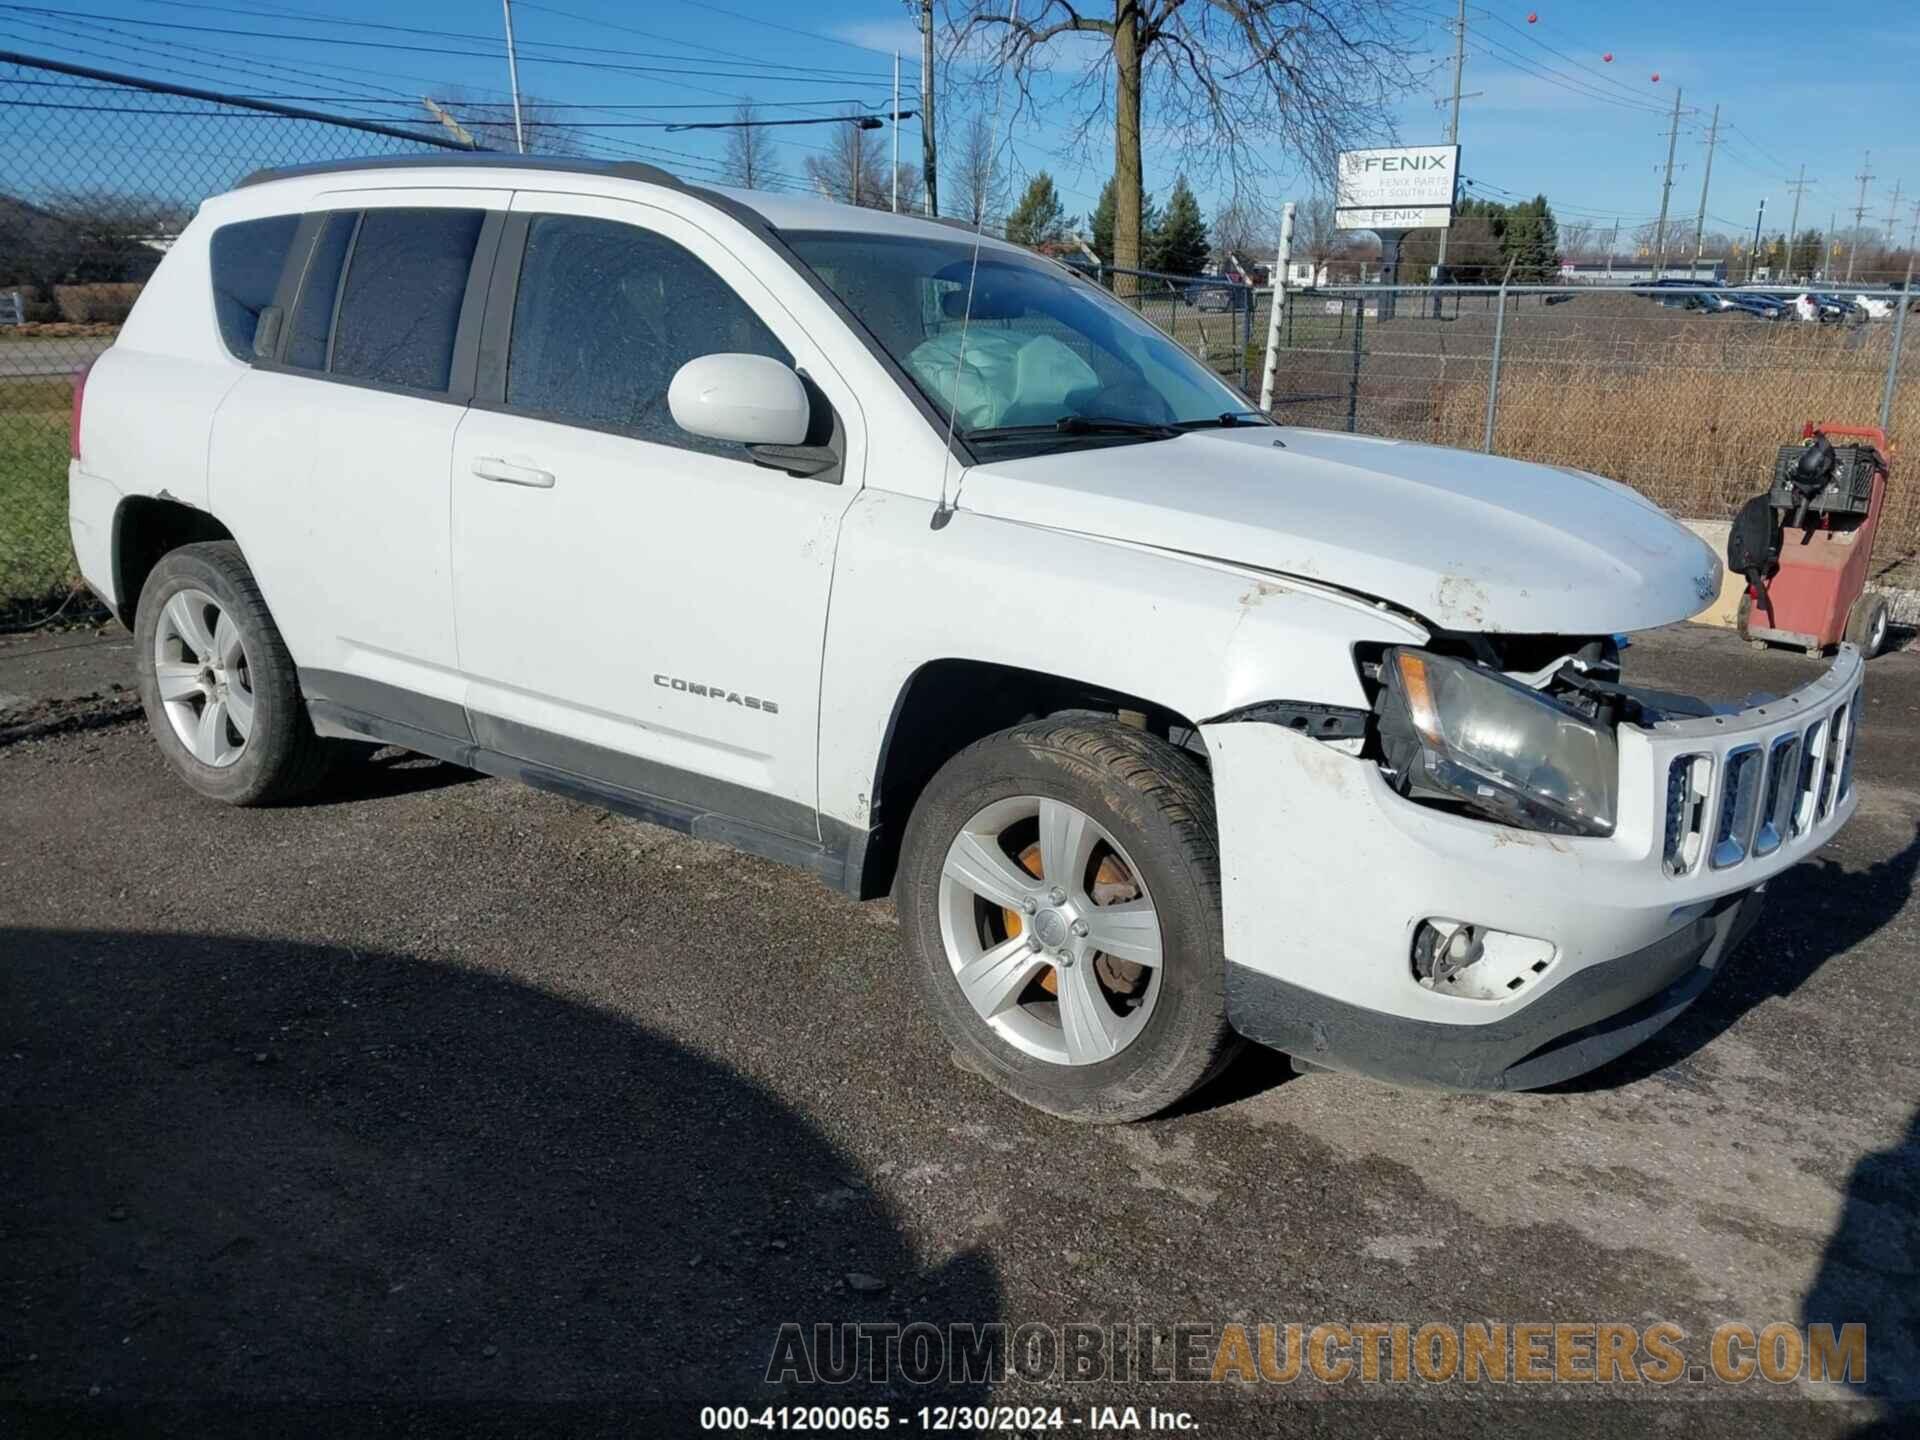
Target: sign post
1393	190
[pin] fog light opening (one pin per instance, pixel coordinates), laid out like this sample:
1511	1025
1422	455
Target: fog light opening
1475	962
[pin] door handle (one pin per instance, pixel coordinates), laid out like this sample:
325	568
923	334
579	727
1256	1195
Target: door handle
491	468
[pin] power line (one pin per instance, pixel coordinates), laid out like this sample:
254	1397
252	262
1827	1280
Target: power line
355	24
449	53
788	29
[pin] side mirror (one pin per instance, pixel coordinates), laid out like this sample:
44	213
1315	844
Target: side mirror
749	399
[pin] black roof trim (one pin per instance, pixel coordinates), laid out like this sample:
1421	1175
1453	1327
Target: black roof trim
485	160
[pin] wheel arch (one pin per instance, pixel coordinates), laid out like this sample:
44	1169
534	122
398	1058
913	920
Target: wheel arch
145	529
949	703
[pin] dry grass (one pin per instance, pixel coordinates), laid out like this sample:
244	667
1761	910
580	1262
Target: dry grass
100	304
1689	410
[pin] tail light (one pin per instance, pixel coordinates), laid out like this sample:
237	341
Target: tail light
79	402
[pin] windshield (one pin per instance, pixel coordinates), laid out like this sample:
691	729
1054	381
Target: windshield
1049	361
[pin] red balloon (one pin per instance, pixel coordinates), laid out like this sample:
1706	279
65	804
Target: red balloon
1532	15
1656	77
1608	57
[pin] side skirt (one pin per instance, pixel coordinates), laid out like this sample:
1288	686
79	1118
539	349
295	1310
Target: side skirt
838	861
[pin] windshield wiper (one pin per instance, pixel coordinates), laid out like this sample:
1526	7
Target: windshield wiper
1075	425
1226	421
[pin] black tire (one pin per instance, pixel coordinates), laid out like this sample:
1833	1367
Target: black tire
1867	625
1158	804
283	759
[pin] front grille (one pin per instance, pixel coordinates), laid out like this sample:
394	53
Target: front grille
1739	804
1688	779
1763	793
1830	771
1776	800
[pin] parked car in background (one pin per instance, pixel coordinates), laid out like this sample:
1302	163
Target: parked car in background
1162	724
1824	309
1876	307
1218	295
1760	307
1679	294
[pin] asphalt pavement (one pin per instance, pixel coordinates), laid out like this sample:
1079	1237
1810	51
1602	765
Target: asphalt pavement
447	1106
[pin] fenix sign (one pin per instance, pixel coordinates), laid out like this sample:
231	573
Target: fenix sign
1399	186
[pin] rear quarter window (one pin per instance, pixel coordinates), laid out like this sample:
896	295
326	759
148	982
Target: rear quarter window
246	260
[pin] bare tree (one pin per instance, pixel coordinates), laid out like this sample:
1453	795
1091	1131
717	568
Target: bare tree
490	123
748	162
852	168
1316	237
1232	83
1245	230
912	187
980	192
1576	240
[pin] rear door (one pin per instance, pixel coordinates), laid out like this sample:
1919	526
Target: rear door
330	458
636	604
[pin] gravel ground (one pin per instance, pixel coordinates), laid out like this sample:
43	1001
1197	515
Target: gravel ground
449	1106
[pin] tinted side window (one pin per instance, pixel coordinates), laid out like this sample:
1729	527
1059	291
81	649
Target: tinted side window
313	311
605	314
246	261
401	302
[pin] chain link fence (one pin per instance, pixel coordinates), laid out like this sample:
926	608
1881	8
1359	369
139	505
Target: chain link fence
97	175
1684	400
1684	394
1221	320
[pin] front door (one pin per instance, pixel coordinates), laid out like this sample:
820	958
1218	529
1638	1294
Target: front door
637	605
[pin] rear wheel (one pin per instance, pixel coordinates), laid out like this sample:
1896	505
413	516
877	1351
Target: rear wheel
220	690
1060	897
1867	625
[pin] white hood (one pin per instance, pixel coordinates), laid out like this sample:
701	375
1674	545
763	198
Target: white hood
1467	541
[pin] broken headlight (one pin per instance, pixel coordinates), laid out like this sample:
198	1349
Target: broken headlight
1457	732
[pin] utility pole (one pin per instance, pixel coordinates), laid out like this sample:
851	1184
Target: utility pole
1613	243
1453	135
1826	270
1859	211
1793	228
1700	222
896	132
928	160
454	127
1755	251
1666	192
513	79
1893	213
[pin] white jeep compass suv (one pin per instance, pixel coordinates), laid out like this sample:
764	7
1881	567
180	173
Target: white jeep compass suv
855	541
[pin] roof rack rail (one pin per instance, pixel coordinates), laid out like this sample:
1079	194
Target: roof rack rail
480	160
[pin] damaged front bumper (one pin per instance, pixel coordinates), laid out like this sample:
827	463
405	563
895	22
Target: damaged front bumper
1328	876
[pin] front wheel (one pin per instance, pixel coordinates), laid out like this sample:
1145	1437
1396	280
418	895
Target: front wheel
1060	900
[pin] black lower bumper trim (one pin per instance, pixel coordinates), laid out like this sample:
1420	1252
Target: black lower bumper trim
1588	1019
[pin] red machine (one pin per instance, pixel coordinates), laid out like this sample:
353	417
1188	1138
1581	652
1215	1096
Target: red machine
1826	500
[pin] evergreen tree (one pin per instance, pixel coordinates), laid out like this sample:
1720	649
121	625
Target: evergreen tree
1178	241
1530	241
1039	219
1101	224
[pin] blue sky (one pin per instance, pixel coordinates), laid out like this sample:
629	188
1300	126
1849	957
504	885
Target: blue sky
1550	114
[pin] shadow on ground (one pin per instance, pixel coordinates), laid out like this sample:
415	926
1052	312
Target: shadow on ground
1815	911
248	1173
1870	1272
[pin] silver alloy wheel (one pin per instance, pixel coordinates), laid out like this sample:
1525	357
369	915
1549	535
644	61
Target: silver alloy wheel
1063	964
1878	637
205	682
